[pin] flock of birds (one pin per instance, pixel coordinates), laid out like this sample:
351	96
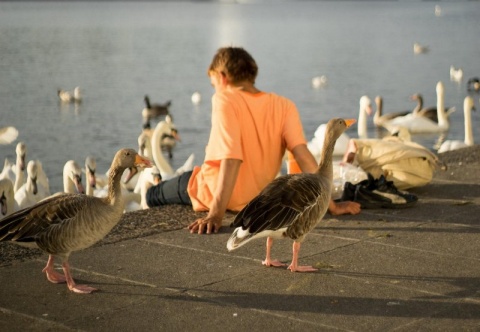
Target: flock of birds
289	207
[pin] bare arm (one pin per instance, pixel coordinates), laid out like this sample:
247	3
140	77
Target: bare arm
227	178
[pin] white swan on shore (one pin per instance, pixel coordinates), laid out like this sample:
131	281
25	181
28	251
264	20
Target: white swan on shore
449	145
72	178
27	194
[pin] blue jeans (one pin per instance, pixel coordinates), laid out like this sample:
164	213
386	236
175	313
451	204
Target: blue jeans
173	191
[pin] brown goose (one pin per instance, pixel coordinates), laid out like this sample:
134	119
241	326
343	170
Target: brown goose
291	205
65	223
152	111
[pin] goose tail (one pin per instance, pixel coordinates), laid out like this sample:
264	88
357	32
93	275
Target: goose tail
238	238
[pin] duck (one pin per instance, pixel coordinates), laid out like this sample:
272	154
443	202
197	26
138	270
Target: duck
319	81
290	206
473	84
416	123
8	135
379	118
69	97
364	111
153	111
419	49
456	74
449	145
196	98
60	225
7	198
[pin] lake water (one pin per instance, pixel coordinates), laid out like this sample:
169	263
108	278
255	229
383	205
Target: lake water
119	51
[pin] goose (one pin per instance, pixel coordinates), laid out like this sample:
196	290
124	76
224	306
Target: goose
419	49
456	74
290	206
449	145
8	135
473	84
319	81
416	123
27	194
365	109
68	97
152	111
7	198
379	118
60	225
196	98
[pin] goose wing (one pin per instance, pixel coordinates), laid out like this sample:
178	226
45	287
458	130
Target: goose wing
25	225
280	204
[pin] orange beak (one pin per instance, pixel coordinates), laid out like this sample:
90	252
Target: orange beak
142	161
350	122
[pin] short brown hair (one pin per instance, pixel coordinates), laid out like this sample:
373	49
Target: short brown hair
235	63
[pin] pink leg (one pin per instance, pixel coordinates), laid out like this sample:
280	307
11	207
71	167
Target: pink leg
52	275
268	261
294	267
83	289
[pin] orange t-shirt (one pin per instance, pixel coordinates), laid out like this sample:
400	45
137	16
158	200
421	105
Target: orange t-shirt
253	128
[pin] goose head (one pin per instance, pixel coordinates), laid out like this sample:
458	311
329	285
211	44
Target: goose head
129	158
72	177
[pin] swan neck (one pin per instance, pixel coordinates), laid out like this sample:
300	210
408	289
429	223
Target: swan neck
468	127
162	165
442	117
362	123
114	189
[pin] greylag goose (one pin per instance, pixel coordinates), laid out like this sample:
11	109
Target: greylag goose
290	206
449	145
379	118
69	97
8	135
152	111
7	198
60	225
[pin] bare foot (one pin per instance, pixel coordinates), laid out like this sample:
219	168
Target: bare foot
274	263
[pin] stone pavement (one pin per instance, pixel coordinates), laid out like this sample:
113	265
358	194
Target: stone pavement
415	269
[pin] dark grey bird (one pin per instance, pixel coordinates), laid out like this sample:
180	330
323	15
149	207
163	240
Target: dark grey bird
64	223
291	205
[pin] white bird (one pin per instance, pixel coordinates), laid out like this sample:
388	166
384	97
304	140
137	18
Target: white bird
8	135
319	81
7	198
162	164
364	111
69	97
456	74
438	10
290	206
419	49
90	176
449	145
43	184
27	194
419	124
60	225
196	98
72	178
16	171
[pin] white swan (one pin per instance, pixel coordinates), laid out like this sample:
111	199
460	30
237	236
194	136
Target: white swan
90	178
8	135
27	194
21	152
456	74
164	167
364	111
43	184
68	97
196	98
319	81
449	145
7	198
72	178
419	49
420	124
